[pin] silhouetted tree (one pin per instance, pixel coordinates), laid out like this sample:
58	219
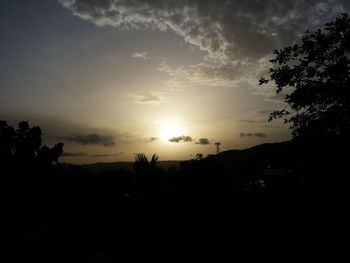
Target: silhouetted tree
199	156
23	146
146	171
318	70
142	165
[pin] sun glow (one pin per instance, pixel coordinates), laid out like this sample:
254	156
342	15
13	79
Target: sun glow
170	129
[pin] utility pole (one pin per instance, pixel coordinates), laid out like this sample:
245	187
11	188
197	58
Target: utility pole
217	147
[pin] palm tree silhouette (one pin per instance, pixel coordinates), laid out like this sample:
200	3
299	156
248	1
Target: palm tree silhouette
146	172
142	164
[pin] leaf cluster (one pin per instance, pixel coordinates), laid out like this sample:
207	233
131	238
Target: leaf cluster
318	71
24	145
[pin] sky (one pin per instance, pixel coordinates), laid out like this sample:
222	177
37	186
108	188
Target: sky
112	78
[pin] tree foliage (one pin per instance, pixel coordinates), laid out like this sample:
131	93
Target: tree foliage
23	146
142	165
318	71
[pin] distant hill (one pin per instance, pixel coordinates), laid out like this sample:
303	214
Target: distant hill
274	155
97	167
251	160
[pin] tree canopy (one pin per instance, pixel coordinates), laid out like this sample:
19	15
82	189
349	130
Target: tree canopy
318	71
23	145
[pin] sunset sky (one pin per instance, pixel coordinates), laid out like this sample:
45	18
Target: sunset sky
111	78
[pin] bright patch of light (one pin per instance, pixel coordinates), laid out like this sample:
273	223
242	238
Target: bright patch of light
170	129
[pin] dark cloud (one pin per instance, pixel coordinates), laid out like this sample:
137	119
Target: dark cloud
175	139
74	154
237	36
182	138
90	139
258	134
152	139
102	155
223	28
203	141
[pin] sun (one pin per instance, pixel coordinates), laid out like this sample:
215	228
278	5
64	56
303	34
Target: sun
170	129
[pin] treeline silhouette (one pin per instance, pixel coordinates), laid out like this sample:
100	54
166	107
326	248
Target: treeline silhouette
61	212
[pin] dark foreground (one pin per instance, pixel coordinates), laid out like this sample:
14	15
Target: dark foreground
294	189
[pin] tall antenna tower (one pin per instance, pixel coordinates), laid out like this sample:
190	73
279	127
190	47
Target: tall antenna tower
217	147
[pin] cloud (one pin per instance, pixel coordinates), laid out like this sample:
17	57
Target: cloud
101	155
90	139
210	74
273	126
150	97
252	121
81	154
203	141
182	138
258	135
141	55
237	37
74	154
222	28
152	139
264	112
